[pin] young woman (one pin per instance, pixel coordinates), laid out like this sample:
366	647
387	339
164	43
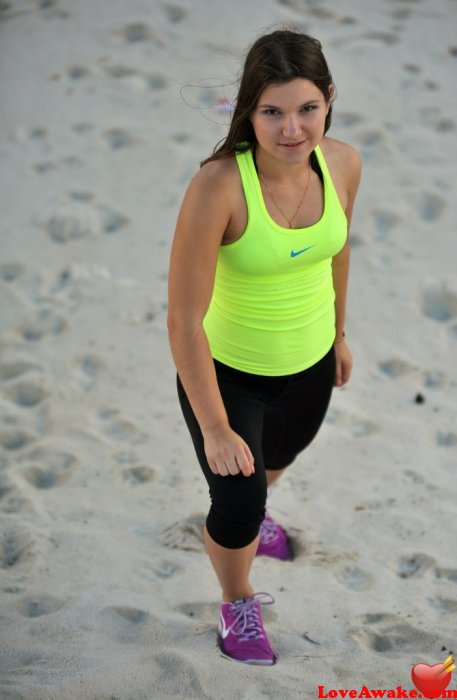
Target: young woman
257	293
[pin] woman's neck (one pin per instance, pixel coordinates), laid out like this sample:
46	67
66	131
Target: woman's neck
275	170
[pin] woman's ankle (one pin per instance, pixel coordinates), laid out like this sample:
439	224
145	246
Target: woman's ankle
231	595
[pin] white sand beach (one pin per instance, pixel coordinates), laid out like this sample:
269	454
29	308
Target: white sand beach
106	109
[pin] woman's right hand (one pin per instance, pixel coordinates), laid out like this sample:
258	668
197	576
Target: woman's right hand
227	453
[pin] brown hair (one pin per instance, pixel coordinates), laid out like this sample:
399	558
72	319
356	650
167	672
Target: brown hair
274	58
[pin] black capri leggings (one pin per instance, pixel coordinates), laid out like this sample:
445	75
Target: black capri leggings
277	417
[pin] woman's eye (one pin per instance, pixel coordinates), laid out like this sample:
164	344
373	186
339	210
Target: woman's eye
271	112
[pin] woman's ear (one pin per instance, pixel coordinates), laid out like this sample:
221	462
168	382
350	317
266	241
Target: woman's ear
331	97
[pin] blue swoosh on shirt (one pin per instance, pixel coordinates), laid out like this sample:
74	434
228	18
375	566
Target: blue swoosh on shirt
293	253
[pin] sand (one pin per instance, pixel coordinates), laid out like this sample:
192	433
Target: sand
105	590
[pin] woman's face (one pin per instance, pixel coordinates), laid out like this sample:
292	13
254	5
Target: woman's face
289	120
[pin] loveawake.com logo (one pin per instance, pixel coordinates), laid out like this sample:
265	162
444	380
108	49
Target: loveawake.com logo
430	681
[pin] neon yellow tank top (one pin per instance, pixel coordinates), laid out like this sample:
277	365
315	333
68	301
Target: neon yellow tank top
272	309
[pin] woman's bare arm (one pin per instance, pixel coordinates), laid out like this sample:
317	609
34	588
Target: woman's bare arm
202	221
340	271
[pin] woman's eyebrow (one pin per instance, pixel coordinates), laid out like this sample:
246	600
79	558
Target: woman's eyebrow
305	104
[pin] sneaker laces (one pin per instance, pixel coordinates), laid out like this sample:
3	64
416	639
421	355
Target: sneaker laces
247	623
268	530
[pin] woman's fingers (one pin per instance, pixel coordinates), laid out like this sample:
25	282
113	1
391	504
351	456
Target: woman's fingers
228	454
343	367
247	461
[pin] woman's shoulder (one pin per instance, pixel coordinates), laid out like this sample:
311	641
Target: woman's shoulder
219	173
345	166
341	155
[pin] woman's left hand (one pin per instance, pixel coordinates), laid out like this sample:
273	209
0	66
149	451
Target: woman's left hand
343	359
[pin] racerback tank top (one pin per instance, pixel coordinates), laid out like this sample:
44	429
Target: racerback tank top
272	309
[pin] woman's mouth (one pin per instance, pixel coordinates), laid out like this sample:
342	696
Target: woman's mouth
292	146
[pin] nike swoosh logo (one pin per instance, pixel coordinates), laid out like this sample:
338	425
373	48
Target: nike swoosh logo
294	253
224	630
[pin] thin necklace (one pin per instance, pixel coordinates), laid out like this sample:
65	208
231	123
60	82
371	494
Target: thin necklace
289	221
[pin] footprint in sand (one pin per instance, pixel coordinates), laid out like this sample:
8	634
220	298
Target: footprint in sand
446	574
25	394
385	634
434	379
199	611
10	272
186	534
11	500
443	125
38	133
412	68
414	565
71	226
439	303
117	138
165	568
18	664
445	605
111	221
348	119
77	72
175	13
82	127
181	137
13	438
155	82
348	20
43	167
152	81
51	7
355	579
39	605
373	138
415	477
127	624
384	222
137	475
431	206
117	428
45	322
189	678
368	38
360	427
446	439
401	13
119	72
90	367
79	218
15	546
395	367
47	468
81	196
136	32
386	38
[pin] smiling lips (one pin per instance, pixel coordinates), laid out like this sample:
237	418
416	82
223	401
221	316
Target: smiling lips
292	145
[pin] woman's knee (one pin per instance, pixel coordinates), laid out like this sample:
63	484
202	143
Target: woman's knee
235	517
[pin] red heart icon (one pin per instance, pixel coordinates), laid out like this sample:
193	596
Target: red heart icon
427	681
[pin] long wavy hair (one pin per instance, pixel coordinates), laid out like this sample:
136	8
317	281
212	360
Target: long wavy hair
274	58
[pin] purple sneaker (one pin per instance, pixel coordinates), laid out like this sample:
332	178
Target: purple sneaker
273	541
241	634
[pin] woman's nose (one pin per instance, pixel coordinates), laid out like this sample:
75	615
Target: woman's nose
291	126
